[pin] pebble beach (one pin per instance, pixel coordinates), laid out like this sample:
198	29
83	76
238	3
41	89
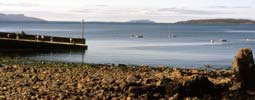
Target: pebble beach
23	78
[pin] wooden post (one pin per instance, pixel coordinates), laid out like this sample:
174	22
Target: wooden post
83	29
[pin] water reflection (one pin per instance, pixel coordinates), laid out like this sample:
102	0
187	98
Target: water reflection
73	55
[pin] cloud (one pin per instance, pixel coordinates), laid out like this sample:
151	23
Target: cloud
106	10
90	9
230	7
145	12
101	5
83	11
191	11
19	4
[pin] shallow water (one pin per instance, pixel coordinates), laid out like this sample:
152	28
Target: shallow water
111	43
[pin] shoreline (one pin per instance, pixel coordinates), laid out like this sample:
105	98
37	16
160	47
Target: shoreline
33	79
181	66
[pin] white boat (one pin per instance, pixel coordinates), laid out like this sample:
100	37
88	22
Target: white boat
248	40
212	41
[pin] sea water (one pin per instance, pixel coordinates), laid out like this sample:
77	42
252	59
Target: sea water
113	43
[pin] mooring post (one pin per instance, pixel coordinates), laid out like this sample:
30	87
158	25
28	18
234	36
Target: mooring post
8	35
17	36
83	29
37	37
51	39
71	40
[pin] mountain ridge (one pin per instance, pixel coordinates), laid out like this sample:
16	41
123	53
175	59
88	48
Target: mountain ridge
18	18
218	21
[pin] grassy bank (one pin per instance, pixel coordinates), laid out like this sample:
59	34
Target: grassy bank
30	79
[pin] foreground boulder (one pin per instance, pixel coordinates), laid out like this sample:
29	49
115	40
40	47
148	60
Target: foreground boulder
197	86
244	69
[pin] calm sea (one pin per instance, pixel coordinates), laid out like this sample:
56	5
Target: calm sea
112	43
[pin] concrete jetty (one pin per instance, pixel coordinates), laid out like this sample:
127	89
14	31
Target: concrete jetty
22	40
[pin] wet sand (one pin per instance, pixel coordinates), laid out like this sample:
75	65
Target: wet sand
29	79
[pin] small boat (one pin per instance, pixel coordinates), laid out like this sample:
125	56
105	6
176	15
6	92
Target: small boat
212	41
140	36
136	36
222	40
171	36
248	40
132	35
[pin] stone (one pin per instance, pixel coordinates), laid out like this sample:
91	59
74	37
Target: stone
150	81
132	78
193	98
2	65
80	84
172	88
164	82
128	98
122	65
174	97
197	86
244	69
136	90
108	79
156	95
176	74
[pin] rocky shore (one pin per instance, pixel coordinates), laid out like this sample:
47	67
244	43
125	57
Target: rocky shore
29	79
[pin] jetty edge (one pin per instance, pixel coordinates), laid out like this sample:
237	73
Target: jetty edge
14	40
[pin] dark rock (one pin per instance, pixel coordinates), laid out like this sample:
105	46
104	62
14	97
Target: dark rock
173	88
122	65
164	81
150	81
197	86
2	65
137	90
244	69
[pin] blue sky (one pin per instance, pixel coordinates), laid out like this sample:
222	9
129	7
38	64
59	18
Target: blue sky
124	10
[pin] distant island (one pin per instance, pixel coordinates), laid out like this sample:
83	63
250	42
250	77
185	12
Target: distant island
18	18
141	21
218	21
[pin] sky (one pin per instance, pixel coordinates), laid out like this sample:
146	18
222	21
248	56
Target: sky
125	10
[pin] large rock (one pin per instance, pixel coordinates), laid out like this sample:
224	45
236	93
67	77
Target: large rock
244	69
197	86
